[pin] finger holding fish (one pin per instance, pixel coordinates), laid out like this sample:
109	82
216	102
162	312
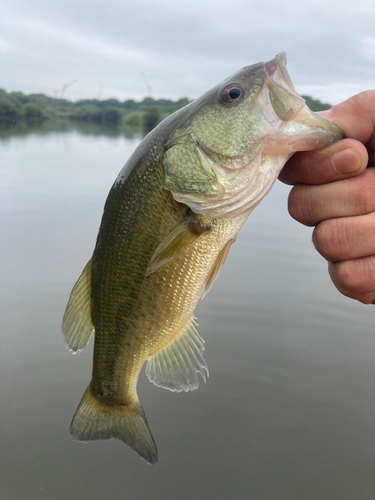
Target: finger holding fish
312	204
345	238
334	190
345	158
355	278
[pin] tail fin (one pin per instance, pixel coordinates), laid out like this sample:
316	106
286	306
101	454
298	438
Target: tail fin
95	420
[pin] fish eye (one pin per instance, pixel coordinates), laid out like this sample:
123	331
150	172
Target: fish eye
233	93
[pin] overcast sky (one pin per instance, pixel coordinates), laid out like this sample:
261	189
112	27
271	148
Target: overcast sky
183	47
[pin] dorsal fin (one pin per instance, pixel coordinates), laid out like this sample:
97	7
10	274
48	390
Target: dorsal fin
176	366
218	266
77	326
179	239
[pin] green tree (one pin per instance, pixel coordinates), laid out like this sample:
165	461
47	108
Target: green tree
315	104
88	112
129	104
34	112
134	119
19	97
151	118
9	108
112	115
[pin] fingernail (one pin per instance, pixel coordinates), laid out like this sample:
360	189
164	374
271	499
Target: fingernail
346	162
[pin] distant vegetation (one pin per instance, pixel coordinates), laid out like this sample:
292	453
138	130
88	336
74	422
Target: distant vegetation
315	104
143	115
130	114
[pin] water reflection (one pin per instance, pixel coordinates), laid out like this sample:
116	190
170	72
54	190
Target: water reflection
289	409
23	128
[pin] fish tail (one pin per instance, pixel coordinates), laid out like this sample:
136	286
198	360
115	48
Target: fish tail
95	420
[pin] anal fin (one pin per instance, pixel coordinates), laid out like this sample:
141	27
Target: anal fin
77	326
176	366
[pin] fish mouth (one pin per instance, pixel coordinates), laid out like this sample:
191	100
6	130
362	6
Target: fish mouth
288	105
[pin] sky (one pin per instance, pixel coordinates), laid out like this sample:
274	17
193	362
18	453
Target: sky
181	48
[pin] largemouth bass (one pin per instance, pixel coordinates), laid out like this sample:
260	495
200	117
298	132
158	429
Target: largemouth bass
168	224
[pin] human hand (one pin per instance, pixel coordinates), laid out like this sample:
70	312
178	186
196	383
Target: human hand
335	192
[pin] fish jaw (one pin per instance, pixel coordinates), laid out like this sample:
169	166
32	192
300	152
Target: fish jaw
295	126
311	131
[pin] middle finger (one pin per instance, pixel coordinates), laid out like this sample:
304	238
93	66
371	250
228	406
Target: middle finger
346	238
310	205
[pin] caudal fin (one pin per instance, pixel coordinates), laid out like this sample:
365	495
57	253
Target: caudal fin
95	420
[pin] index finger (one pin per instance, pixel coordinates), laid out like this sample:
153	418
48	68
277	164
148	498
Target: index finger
345	158
356	117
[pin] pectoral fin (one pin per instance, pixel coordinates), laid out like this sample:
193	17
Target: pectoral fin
218	266
179	239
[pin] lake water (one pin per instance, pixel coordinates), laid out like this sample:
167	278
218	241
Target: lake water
288	411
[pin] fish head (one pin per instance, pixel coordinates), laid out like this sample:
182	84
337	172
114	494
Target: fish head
230	144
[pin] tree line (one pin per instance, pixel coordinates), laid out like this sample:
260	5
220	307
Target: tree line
145	114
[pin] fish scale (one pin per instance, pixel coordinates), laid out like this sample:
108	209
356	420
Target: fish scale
168	224
173	290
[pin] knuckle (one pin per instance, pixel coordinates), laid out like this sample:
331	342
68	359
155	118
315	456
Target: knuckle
351	279
300	206
328	240
348	276
364	191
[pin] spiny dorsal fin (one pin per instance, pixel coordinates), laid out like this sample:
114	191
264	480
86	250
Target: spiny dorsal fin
176	366
77	326
179	239
218	266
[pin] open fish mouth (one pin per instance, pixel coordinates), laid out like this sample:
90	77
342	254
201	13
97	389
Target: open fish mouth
281	123
288	105
281	106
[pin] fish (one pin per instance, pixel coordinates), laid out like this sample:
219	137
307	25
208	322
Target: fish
168	224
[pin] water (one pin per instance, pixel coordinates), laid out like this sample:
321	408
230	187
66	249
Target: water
288	411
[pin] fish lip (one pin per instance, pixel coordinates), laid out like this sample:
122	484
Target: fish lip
278	62
273	65
314	120
277	68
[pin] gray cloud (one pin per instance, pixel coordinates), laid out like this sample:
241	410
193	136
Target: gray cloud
184	47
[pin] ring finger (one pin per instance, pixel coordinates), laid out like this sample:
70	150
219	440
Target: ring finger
346	238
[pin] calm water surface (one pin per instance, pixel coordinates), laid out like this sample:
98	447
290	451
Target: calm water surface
288	411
